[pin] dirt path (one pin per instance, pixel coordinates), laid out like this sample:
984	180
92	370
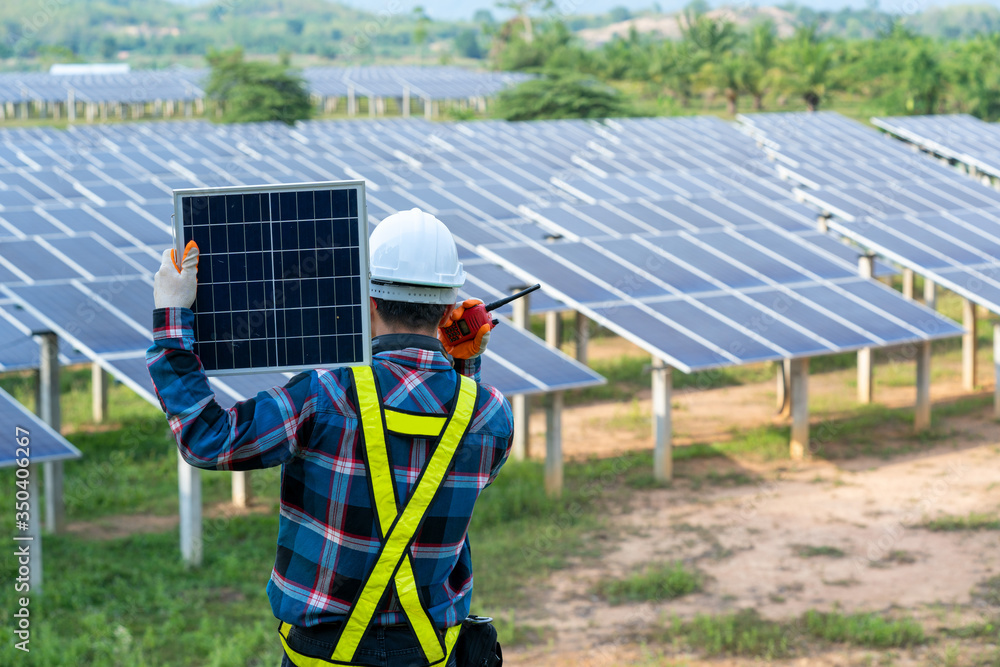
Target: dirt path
746	538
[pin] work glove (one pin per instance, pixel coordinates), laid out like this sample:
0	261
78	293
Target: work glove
175	285
470	349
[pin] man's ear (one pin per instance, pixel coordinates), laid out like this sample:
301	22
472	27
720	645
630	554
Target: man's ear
447	315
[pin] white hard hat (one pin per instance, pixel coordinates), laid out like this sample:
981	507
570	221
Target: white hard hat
414	259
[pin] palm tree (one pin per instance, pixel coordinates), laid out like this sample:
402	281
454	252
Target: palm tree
760	59
523	10
809	65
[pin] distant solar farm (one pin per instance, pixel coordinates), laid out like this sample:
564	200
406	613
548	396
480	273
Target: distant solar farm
179	92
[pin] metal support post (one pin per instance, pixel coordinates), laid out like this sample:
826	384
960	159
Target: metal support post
241	488
969	345
428	109
866	267
406	102
996	369
930	293
799	445
784	399
922	410
553	446
520	449
663	458
582	337
352	102
189	487
99	393
908	283
50	412
553	328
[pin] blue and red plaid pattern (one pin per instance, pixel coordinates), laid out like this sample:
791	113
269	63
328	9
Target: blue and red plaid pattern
327	534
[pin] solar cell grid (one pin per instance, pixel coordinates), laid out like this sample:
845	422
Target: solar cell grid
282	280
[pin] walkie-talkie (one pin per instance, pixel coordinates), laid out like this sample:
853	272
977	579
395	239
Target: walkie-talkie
474	318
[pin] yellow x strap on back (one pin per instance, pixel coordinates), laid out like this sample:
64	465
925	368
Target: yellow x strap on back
394	565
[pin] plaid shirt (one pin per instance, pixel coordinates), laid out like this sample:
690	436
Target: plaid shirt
327	537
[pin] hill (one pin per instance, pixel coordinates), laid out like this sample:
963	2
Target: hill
108	29
956	22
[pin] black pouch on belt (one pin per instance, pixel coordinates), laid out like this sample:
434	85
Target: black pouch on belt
477	644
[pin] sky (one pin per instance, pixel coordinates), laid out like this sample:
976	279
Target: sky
464	9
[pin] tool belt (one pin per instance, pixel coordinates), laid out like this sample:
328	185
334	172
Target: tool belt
477	644
398	525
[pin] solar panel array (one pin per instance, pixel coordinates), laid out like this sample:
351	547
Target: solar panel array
101	196
914	211
958	137
683	240
282	275
676	233
43	443
431	82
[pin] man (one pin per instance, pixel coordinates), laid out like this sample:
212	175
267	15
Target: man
373	565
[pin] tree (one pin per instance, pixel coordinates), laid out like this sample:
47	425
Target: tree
809	65
561	96
256	91
760	52
925	79
109	47
523	8
420	31
467	44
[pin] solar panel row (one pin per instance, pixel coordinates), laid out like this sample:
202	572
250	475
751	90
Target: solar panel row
923	215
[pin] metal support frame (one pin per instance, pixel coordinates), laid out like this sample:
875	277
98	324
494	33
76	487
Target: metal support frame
922	409
908	283
50	412
866	267
784	399
663	458
241	488
930	293
189	487
405	105
969	345
553	446
582	337
799	381
99	393
520	449
996	369
553	329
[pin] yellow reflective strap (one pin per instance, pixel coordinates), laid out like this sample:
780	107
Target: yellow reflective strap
416	425
400	535
380	473
409	598
298	659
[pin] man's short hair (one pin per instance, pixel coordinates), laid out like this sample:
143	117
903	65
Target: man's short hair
412	316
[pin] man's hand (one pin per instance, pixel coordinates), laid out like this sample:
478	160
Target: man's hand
470	349
175	285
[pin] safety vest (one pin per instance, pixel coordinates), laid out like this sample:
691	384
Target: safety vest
398	525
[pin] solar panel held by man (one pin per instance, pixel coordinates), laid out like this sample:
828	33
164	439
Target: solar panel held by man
385	442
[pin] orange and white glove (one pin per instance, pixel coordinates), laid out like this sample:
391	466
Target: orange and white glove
470	349
175	285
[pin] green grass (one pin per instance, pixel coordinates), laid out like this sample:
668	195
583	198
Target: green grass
664	581
988	591
974	521
808	551
742	634
746	634
868	630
